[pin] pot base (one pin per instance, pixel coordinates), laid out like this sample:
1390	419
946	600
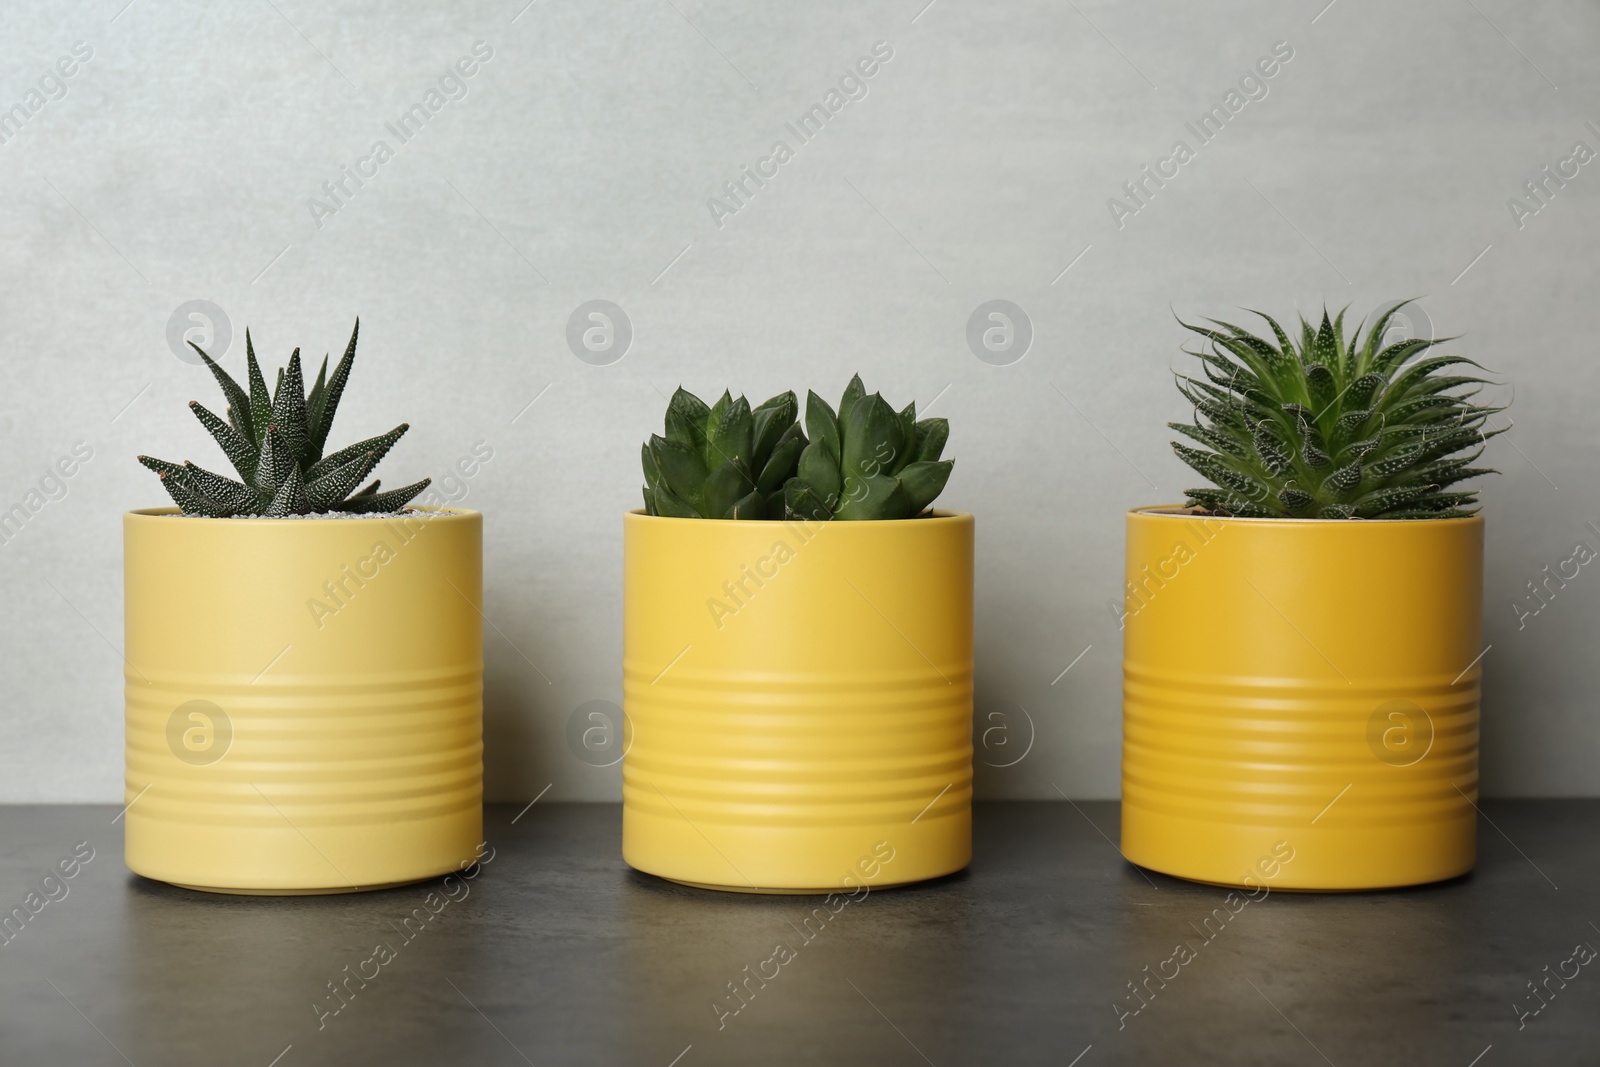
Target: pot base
1303	889
754	891
797	860
1361	856
316	892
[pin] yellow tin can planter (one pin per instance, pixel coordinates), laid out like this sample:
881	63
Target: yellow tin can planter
799	700
304	699
1300	701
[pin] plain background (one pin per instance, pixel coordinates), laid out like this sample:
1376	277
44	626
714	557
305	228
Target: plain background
180	163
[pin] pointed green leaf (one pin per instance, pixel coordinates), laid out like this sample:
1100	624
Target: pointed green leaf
1285	346
329	405
1391	358
852	394
240	452
314	406
1344	365
722	488
189	500
1295	501
289	412
1421	371
161	466
682	470
1352	421
821	422
260	399
1372	505
730	439
290	498
235	396
1341	482
381	503
908	434
712	421
802	502
380	445
337	484
819	470
686	420
1375	334
277	460
1217	440
873	439
232	497
923	481
652	473
1325	347
771	420
872	498
781	464
671	505
753	505
1363	389
930	439
1216	468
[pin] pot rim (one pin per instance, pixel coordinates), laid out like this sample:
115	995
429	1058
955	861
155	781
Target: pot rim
1183	511
438	512
939	517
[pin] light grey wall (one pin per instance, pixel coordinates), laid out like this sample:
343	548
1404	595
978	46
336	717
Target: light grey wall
179	164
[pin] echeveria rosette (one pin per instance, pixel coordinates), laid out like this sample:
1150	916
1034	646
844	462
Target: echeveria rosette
726	461
867	461
275	441
1328	430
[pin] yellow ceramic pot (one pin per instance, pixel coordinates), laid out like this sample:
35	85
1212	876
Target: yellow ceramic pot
304	699
799	697
1300	699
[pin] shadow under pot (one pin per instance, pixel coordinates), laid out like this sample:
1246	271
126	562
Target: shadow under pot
1300	699
799	701
304	699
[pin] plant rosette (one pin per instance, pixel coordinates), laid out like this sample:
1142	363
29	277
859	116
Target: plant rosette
1302	656
798	689
303	698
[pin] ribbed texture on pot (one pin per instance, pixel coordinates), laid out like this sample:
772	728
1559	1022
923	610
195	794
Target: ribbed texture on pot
325	751
765	750
1261	751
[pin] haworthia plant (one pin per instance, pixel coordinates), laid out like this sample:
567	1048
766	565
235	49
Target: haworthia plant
275	444
726	461
867	461
1323	429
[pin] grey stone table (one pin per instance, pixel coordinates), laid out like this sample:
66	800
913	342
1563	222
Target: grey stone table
559	954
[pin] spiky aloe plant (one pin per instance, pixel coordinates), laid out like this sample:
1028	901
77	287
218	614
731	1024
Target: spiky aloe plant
867	461
726	461
1332	431
275	444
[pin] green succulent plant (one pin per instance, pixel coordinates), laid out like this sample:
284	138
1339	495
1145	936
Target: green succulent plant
275	443
1321	429
867	461
727	461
